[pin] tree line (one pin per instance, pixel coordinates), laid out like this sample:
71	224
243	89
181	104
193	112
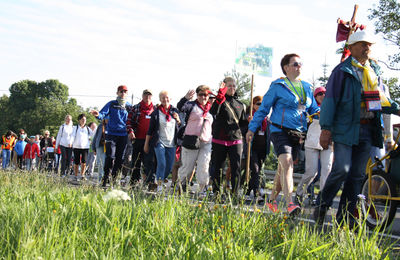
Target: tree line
37	106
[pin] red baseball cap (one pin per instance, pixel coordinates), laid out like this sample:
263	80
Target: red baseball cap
122	87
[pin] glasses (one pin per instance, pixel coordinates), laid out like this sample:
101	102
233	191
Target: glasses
123	91
296	64
258	104
202	95
321	94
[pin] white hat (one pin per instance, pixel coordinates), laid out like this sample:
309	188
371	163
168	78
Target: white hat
361	36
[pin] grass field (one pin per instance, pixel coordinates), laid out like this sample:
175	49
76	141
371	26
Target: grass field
43	218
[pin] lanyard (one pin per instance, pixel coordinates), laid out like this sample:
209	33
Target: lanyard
301	97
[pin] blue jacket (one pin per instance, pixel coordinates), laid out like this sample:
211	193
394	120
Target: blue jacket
284	104
340	110
117	117
19	147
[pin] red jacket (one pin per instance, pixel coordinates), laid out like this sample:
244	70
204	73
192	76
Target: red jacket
30	151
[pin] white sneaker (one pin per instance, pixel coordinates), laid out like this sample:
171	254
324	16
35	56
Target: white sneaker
159	188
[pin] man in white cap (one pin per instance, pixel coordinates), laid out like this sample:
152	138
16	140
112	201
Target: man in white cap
351	118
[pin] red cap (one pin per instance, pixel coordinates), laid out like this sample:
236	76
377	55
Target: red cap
319	90
122	87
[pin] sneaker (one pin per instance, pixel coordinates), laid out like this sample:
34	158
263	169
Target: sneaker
152	187
293	209
247	198
159	188
273	206
202	195
319	215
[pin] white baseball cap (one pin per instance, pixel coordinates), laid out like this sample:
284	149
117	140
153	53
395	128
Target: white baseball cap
361	36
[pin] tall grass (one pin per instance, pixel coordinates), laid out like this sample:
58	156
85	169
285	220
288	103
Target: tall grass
44	218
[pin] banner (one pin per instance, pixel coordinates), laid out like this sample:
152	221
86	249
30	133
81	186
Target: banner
255	59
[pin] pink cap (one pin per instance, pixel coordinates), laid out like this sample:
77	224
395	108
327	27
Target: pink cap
319	90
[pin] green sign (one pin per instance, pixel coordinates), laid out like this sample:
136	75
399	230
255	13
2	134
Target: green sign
255	59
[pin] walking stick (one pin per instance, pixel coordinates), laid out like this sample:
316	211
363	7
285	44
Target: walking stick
249	144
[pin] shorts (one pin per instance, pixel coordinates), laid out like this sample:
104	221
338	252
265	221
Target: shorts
282	144
77	155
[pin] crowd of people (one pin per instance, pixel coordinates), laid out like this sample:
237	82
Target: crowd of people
338	126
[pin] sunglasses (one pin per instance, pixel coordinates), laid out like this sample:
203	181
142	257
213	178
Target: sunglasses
258	104
321	94
296	64
123	91
203	94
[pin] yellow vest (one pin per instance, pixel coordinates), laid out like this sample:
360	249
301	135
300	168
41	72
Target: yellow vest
8	144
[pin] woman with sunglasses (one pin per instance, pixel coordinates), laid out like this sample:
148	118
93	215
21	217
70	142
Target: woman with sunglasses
290	100
198	123
260	148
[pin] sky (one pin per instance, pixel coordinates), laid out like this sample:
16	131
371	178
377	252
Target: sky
174	45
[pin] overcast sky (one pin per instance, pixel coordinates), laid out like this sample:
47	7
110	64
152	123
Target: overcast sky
175	45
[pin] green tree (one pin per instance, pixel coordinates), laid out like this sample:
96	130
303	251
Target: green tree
386	17
324	79
394	90
4	118
243	82
36	106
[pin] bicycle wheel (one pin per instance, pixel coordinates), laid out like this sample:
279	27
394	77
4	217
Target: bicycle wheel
379	212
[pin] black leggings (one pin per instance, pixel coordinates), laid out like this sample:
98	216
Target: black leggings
66	155
219	153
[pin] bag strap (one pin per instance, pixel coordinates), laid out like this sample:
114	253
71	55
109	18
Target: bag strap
233	112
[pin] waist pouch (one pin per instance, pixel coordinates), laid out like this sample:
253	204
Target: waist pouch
191	142
296	137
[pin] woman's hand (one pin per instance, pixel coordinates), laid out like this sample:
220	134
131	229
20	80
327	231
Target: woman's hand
190	94
176	117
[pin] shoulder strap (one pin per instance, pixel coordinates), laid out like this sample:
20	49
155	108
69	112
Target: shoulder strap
188	114
233	112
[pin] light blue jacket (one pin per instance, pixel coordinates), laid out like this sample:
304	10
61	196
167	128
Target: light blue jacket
284	104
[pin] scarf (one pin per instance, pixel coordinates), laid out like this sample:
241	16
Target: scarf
369	82
121	101
205	108
166	112
145	108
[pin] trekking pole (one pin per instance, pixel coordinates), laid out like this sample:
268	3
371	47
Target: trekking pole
249	144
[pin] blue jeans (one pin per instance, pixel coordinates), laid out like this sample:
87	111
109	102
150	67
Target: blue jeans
348	167
6	154
165	159
100	159
29	164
